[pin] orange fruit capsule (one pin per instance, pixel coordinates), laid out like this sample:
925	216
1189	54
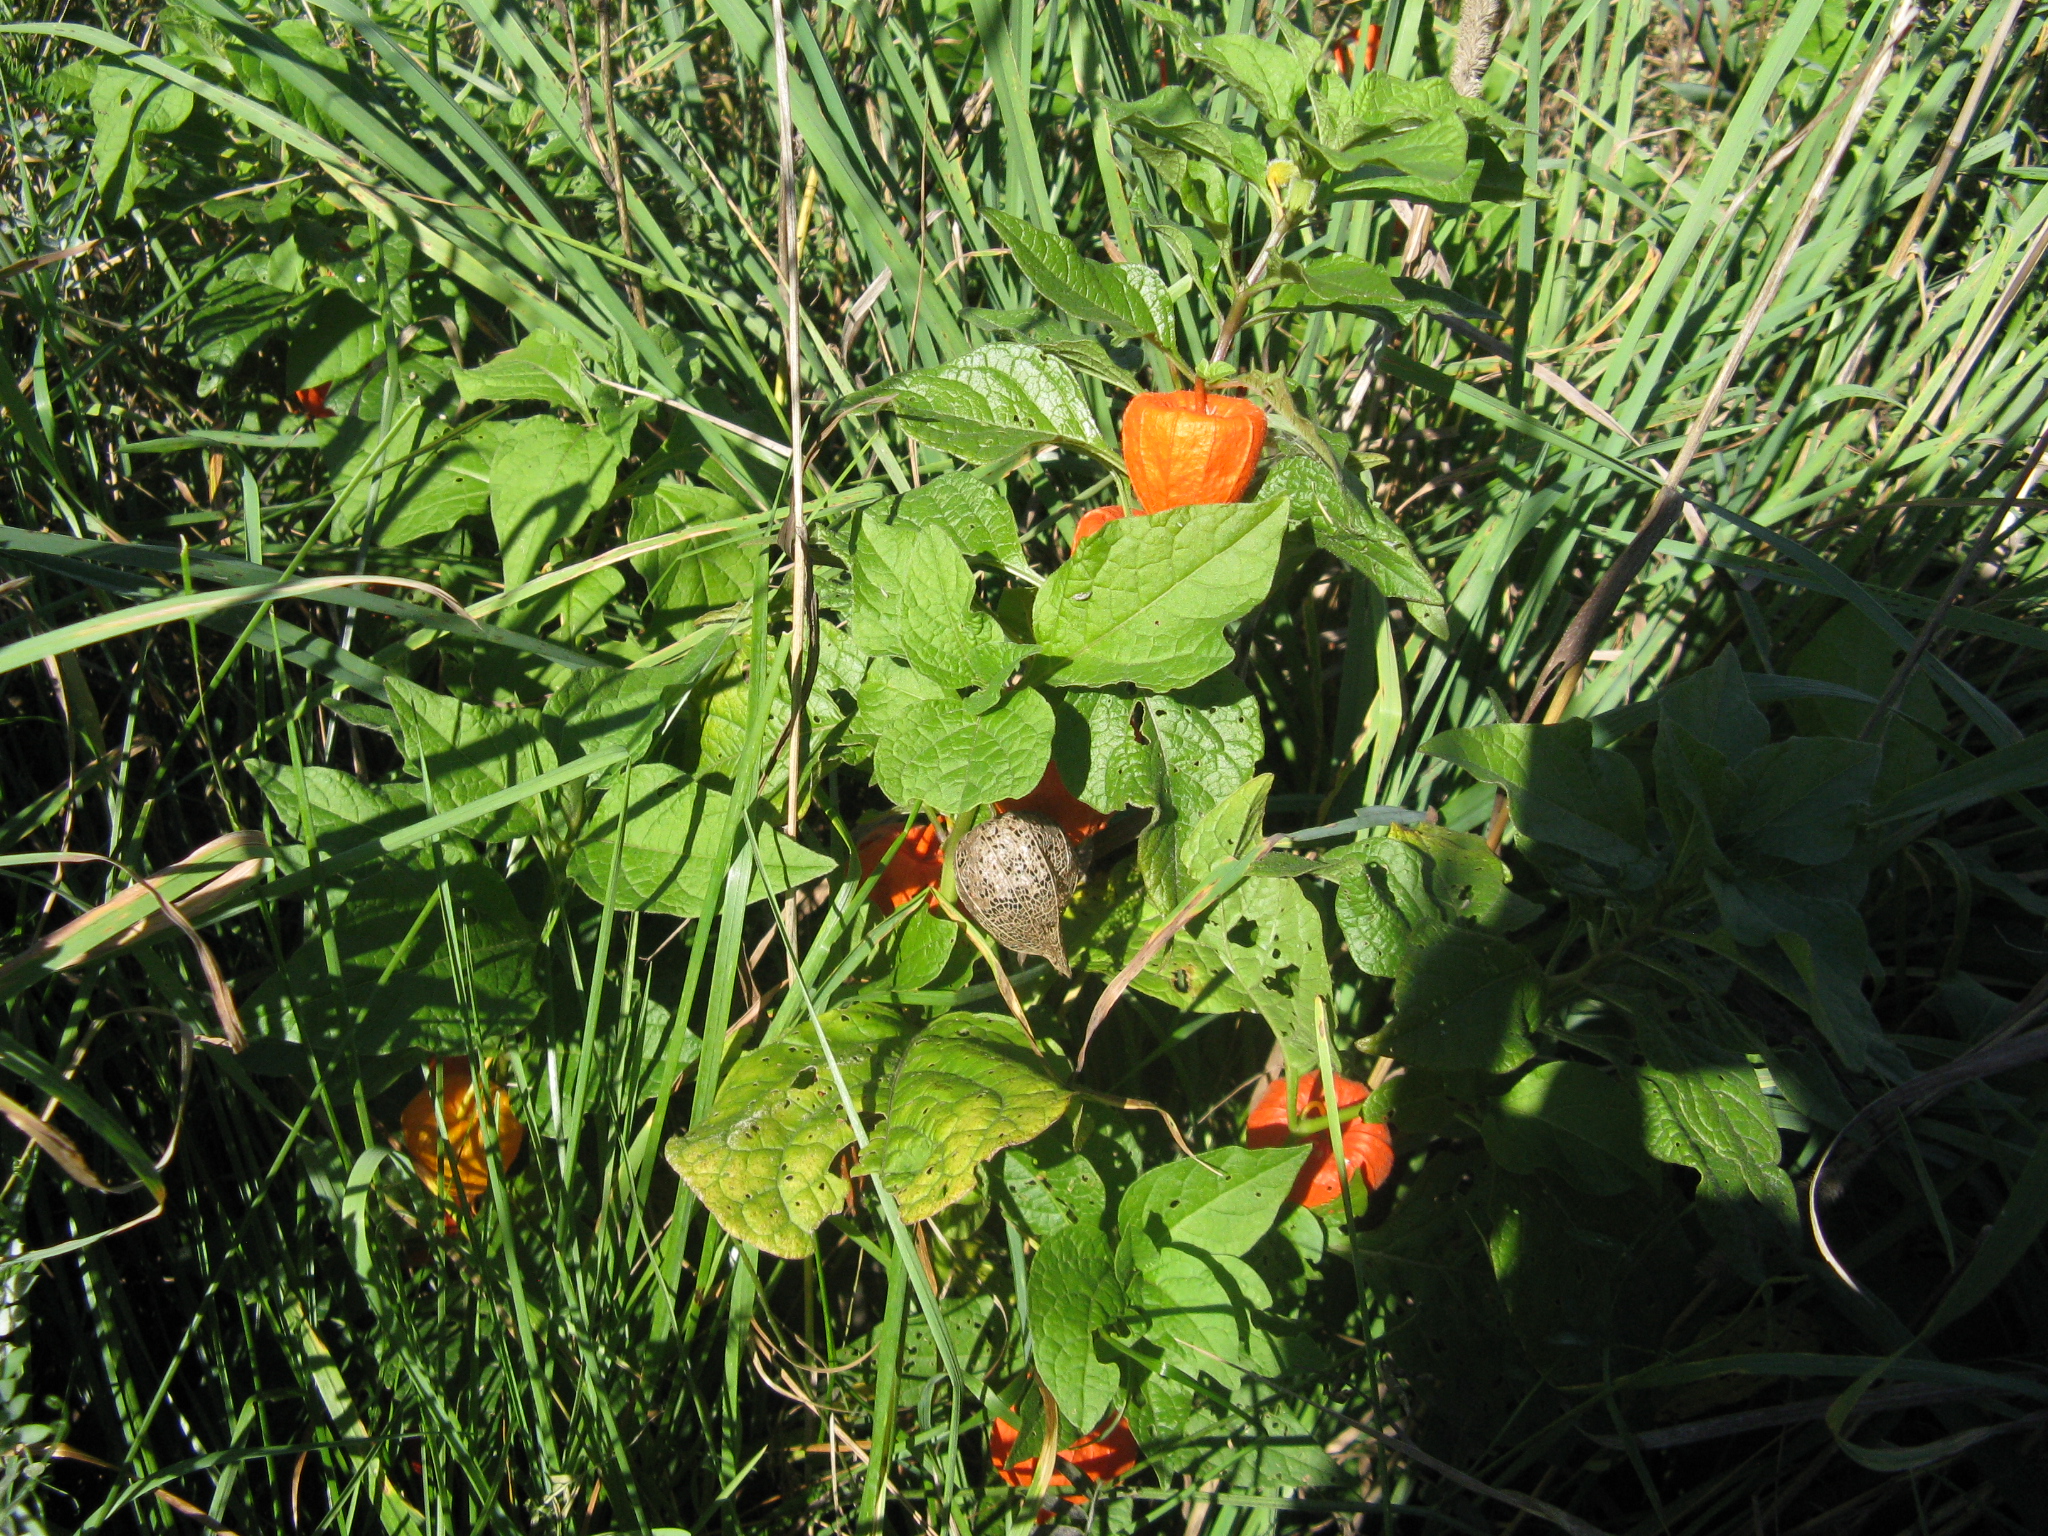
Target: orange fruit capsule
1053	799
465	1150
1191	448
1368	1145
1097	1457
916	865
1092	522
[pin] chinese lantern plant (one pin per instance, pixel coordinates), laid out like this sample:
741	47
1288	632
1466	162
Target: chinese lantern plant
1368	1145
443	1132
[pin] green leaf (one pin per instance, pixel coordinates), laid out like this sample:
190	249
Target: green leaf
1822	954
1561	788
1464	1000
913	597
1145	600
1576	1121
1715	706
1201	1309
547	477
1383	901
762	1164
671	861
432	495
999	402
618	709
335	807
934	748
544	367
1714	1119
1352	282
1171	114
1209	739
1361	536
434	955
1049	1196
1100	756
336	340
463	752
970	1085
1128	298
1267	75
1074	1296
1222	1208
1271	936
714	570
1803	797
975	514
1392	888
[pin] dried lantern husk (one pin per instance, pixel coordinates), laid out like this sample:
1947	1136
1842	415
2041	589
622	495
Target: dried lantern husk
1014	873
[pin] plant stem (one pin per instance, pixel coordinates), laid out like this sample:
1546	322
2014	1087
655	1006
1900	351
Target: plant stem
1283	226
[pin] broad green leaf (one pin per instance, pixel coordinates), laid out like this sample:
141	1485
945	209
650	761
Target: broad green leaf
998	402
1271	936
671	861
1129	299
1715	706
1380	105
1575	1120
1201	1308
1075	1295
434	955
1804	797
1383	901
1209	739
1222	1208
544	367
433	495
913	597
1360	535
713	570
1101	757
342	810
1228	830
1464	1000
1714	1120
762	1164
1392	888
599	711
974	513
463	752
1267	75
969	1085
1813	948
937	749
1171	114
1145	600
1561	788
547	477
1852	651
1346	281
336	339
1052	1194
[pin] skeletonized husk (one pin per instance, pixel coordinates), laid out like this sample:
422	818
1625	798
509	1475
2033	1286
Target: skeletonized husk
1014	874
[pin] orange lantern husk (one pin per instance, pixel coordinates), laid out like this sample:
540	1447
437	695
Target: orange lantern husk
1097	1457
1191	448
914	867
1368	1145
464	1153
312	402
1096	521
1052	798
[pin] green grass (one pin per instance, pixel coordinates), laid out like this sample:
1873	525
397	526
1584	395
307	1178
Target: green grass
297	1334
